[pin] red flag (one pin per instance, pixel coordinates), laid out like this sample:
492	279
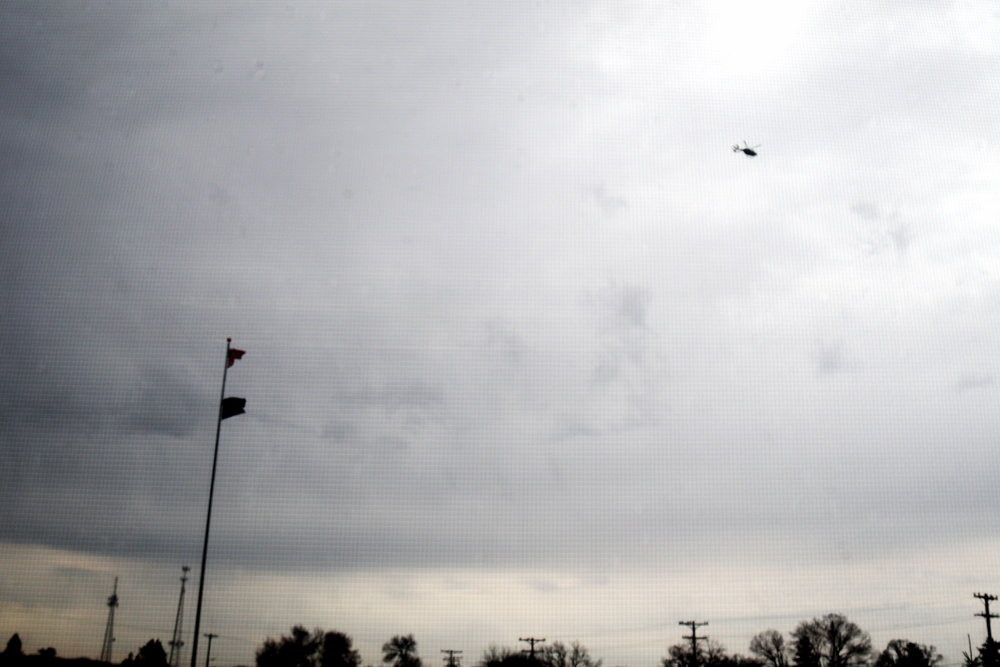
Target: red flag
232	407
234	355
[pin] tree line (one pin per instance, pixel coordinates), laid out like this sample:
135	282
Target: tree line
827	641
319	648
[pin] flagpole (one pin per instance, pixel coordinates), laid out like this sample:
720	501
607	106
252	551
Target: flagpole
208	520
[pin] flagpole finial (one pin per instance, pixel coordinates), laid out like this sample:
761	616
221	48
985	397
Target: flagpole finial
229	339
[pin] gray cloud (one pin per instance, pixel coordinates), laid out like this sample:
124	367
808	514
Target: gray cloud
461	351
609	204
970	382
829	359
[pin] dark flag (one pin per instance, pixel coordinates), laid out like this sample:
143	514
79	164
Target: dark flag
234	356
232	407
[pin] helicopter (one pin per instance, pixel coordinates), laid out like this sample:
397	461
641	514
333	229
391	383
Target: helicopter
748	150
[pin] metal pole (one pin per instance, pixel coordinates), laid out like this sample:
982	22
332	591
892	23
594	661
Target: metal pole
208	651
208	519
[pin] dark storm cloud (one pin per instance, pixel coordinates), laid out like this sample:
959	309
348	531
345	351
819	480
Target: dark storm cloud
107	493
87	387
162	400
43	73
505	340
446	366
100	416
508	298
67	66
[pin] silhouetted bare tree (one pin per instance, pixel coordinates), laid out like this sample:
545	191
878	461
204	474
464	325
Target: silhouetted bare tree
557	654
502	656
770	647
904	653
495	656
837	641
710	654
737	660
805	652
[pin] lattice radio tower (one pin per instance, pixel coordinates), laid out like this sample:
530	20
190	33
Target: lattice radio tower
109	629
177	643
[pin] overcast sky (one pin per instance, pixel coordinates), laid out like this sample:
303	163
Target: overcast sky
530	350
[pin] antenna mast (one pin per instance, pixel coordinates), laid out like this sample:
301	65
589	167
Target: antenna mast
177	642
109	629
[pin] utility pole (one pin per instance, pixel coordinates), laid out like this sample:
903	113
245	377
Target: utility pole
986	598
208	651
452	659
694	625
532	641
